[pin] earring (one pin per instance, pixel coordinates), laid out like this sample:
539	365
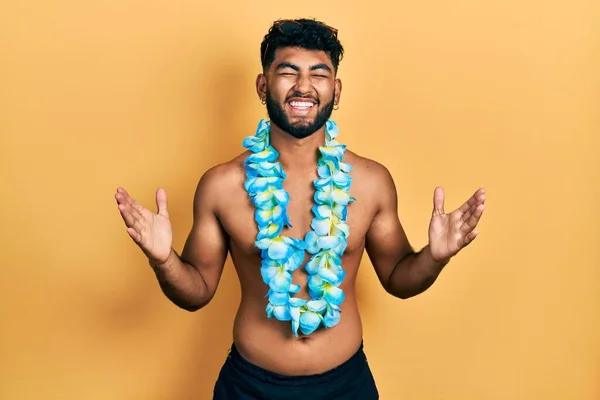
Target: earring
263	101
336	106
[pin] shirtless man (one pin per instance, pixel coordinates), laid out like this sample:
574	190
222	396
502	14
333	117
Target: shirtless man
270	359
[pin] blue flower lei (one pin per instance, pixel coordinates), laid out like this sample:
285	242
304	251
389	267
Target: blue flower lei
282	255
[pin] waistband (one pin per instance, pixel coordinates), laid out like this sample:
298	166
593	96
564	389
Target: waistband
349	368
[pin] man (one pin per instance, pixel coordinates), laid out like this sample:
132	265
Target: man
296	212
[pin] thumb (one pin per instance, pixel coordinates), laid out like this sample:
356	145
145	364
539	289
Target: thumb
438	201
161	202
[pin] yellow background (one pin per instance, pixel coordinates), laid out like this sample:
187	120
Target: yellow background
501	94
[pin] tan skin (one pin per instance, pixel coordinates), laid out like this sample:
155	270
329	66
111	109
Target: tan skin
224	222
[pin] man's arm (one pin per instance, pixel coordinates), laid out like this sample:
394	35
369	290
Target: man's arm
402	271
190	280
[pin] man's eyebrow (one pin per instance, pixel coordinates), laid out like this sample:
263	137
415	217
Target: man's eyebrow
315	67
320	66
284	64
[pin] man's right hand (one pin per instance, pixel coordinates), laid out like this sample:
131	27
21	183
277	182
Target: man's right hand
152	232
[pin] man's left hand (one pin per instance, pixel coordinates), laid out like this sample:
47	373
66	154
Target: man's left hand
449	233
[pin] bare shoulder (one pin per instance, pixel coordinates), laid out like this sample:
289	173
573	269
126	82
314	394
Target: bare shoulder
369	174
220	181
373	183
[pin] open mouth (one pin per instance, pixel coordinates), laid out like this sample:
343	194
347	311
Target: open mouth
301	107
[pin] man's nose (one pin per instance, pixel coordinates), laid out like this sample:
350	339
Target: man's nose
303	84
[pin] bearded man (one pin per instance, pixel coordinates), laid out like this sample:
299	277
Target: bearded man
296	211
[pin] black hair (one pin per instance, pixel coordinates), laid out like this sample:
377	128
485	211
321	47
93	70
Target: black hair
308	34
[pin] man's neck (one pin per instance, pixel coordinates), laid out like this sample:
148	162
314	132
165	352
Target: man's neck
297	154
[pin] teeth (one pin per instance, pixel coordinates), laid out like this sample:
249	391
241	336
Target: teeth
301	104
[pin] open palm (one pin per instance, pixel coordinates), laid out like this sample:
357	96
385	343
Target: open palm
449	233
152	232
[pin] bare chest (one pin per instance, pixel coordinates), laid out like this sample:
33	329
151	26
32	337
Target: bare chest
238	217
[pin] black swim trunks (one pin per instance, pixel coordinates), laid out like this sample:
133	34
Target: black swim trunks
241	380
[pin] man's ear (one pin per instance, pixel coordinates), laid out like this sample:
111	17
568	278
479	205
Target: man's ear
261	87
338	91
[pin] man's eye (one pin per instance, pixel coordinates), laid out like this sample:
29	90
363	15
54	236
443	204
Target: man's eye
287	74
319	76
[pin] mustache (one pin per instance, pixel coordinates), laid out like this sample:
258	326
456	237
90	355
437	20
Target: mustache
303	96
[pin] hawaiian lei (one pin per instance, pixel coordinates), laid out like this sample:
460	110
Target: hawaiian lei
282	255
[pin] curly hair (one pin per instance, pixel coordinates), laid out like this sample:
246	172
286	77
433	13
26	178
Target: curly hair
308	34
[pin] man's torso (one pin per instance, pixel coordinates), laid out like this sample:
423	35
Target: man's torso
270	343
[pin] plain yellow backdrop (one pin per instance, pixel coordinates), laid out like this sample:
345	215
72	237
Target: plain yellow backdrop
500	94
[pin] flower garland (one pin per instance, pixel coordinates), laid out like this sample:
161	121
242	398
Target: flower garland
282	255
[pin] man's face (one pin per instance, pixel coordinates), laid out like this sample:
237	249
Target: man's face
300	90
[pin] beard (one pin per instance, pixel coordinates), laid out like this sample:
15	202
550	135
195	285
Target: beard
299	130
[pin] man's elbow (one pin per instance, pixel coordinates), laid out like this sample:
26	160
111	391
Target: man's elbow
411	291
190	308
400	293
194	306
403	295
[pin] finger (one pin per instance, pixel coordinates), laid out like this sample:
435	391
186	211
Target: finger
133	221
469	213
438	201
465	217
121	198
473	220
132	217
125	204
161	202
130	200
467	205
127	210
126	214
122	195
470	237
477	198
139	221
136	236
